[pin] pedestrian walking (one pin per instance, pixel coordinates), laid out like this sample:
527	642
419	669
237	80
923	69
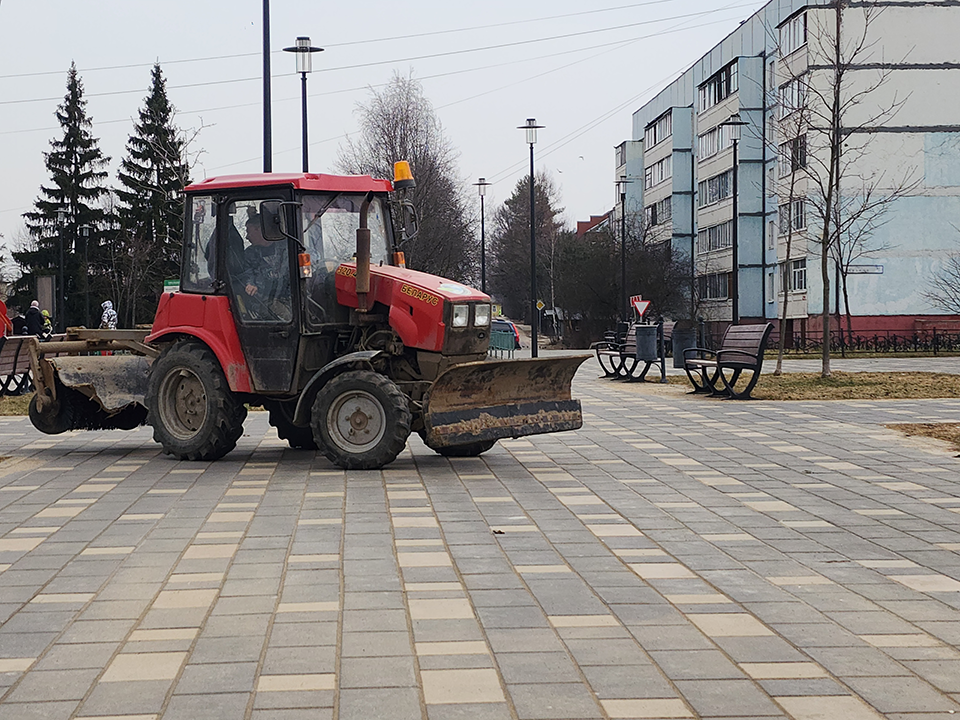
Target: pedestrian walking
34	319
108	321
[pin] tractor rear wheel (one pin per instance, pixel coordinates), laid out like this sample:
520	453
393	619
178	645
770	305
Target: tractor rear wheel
361	420
281	417
194	414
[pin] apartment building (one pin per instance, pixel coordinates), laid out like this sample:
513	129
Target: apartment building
753	116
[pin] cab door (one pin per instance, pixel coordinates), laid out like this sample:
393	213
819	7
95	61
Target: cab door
258	275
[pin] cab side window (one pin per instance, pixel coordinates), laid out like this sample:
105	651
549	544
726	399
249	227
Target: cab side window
198	273
258	270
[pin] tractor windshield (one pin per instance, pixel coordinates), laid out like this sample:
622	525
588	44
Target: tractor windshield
330	225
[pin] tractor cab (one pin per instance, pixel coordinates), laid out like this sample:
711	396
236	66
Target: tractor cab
271	246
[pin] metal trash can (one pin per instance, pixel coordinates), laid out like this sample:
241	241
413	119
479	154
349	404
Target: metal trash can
647	349
683	338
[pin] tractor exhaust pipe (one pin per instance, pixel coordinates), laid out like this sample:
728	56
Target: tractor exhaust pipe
363	256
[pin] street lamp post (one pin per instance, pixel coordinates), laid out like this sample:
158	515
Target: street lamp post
61	308
531	128
622	186
482	189
267	116
735	123
304	51
85	234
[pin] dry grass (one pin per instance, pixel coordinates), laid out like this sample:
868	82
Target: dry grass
949	432
854	386
16	405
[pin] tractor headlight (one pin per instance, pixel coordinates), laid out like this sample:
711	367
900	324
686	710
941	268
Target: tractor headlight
461	315
481	315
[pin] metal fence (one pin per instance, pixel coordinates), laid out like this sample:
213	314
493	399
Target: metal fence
931	341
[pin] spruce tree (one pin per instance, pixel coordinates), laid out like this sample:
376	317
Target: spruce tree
150	206
75	164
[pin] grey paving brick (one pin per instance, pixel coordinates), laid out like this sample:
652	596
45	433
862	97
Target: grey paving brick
363	704
212	705
901	694
381	672
208	678
553	701
138	697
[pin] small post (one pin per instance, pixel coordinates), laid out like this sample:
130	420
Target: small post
663	351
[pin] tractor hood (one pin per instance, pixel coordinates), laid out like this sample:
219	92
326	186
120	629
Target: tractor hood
418	303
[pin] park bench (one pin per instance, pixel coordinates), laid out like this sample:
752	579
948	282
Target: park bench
740	350
618	356
14	365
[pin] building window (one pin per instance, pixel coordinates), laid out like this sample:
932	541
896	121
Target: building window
799	271
793	96
793	275
771	282
621	153
659	213
715	286
716	237
658	172
713	141
793	34
714	189
659	130
718	87
793	216
793	155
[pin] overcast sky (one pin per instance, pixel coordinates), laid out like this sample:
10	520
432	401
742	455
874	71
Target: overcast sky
579	69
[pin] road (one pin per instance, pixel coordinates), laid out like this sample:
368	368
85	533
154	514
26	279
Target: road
678	557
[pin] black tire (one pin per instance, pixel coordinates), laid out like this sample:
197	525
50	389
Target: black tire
361	420
281	417
55	420
194	414
473	449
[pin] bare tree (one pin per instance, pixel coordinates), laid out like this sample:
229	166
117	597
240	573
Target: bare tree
398	123
843	115
945	286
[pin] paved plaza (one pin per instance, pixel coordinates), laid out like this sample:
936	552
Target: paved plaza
678	557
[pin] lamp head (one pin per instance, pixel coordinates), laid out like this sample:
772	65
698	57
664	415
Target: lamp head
531	128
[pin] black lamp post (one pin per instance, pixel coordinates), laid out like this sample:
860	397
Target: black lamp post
85	234
304	51
622	187
531	137
482	189
735	123
267	118
61	308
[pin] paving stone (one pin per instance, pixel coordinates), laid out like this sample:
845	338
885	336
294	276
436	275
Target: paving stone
553	701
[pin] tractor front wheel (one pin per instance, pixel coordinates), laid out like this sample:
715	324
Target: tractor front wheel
194	414
361	420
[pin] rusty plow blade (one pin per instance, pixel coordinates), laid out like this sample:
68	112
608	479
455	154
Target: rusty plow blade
502	399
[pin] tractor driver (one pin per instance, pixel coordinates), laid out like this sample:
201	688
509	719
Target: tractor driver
265	274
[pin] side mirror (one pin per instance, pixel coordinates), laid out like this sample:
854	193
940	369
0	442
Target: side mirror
409	220
272	220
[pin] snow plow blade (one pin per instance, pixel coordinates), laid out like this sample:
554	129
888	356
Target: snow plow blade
502	399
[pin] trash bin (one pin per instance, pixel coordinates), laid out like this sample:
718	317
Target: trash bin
647	350
684	336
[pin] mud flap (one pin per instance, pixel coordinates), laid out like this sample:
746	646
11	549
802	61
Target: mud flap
113	382
502	399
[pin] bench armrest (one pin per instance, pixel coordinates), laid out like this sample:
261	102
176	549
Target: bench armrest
604	345
741	353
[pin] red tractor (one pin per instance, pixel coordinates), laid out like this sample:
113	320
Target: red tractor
293	295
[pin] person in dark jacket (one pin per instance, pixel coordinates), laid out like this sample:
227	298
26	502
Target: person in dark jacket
34	319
